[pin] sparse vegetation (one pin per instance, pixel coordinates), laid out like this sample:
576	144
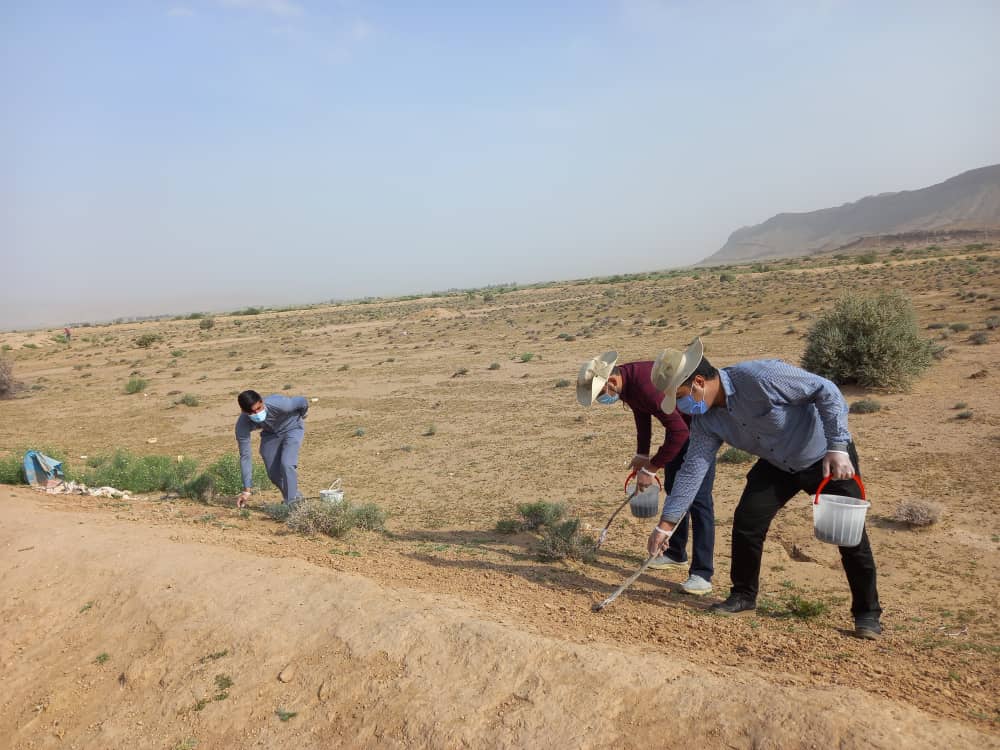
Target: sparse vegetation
917	513
102	658
206	324
564	540
871	341
285	715
430	431
135	384
188	399
805	609
540	514
527	356
334	519
735	456
146	340
979	338
562	383
6	378
509	526
865	406
494	366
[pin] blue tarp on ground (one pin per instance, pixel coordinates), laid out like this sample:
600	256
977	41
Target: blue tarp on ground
39	468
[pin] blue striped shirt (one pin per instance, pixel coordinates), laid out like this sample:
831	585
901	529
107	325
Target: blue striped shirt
774	410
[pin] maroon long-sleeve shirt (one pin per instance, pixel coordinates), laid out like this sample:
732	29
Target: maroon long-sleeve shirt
644	400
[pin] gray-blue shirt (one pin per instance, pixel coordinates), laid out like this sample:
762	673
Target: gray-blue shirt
284	414
785	415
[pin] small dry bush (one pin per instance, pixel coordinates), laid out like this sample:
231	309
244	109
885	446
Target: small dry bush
865	406
540	514
6	378
565	541
334	519
320	517
917	513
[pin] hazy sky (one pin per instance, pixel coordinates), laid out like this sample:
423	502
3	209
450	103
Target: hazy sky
211	154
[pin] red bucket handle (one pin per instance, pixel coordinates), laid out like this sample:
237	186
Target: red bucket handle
855	477
634	472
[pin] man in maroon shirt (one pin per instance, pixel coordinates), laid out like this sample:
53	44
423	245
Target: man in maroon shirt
603	380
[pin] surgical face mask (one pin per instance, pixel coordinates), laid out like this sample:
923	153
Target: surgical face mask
688	405
259	416
607	398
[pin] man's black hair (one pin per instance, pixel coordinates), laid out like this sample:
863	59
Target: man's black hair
704	369
247	399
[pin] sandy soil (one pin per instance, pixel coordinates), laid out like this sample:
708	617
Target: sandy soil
444	633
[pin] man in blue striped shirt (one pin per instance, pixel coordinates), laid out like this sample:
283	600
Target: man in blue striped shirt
796	423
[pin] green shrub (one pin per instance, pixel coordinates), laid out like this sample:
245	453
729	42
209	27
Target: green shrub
562	383
565	541
979	338
735	456
146	340
6	378
369	517
12	469
958	327
806	609
540	514
136	384
869	340
993	322
206	324
727	277
504	526
126	471
494	366
527	356
188	399
865	406
277	511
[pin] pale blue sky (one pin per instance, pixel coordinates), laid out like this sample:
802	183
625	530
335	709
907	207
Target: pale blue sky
211	154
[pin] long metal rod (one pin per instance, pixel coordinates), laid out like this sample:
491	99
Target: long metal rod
632	578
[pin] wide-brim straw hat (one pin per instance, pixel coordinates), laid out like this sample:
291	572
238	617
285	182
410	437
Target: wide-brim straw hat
593	376
672	368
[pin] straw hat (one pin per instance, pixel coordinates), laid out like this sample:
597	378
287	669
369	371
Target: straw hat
672	368
593	376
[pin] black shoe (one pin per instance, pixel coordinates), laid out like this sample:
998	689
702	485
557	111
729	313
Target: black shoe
735	604
867	627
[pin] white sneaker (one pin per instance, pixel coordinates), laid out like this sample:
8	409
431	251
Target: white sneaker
696	585
665	561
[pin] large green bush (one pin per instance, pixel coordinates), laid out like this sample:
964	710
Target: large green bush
125	471
872	341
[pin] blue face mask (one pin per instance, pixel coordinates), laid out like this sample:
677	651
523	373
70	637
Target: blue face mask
259	416
607	398
688	405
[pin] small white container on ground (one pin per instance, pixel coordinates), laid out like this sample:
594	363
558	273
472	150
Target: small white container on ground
838	519
334	494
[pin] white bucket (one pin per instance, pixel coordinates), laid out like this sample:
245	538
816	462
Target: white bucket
333	495
645	504
838	519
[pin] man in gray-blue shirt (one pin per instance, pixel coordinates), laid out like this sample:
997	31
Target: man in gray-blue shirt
796	423
279	418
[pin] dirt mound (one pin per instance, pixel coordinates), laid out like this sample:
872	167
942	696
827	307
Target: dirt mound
118	635
434	313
